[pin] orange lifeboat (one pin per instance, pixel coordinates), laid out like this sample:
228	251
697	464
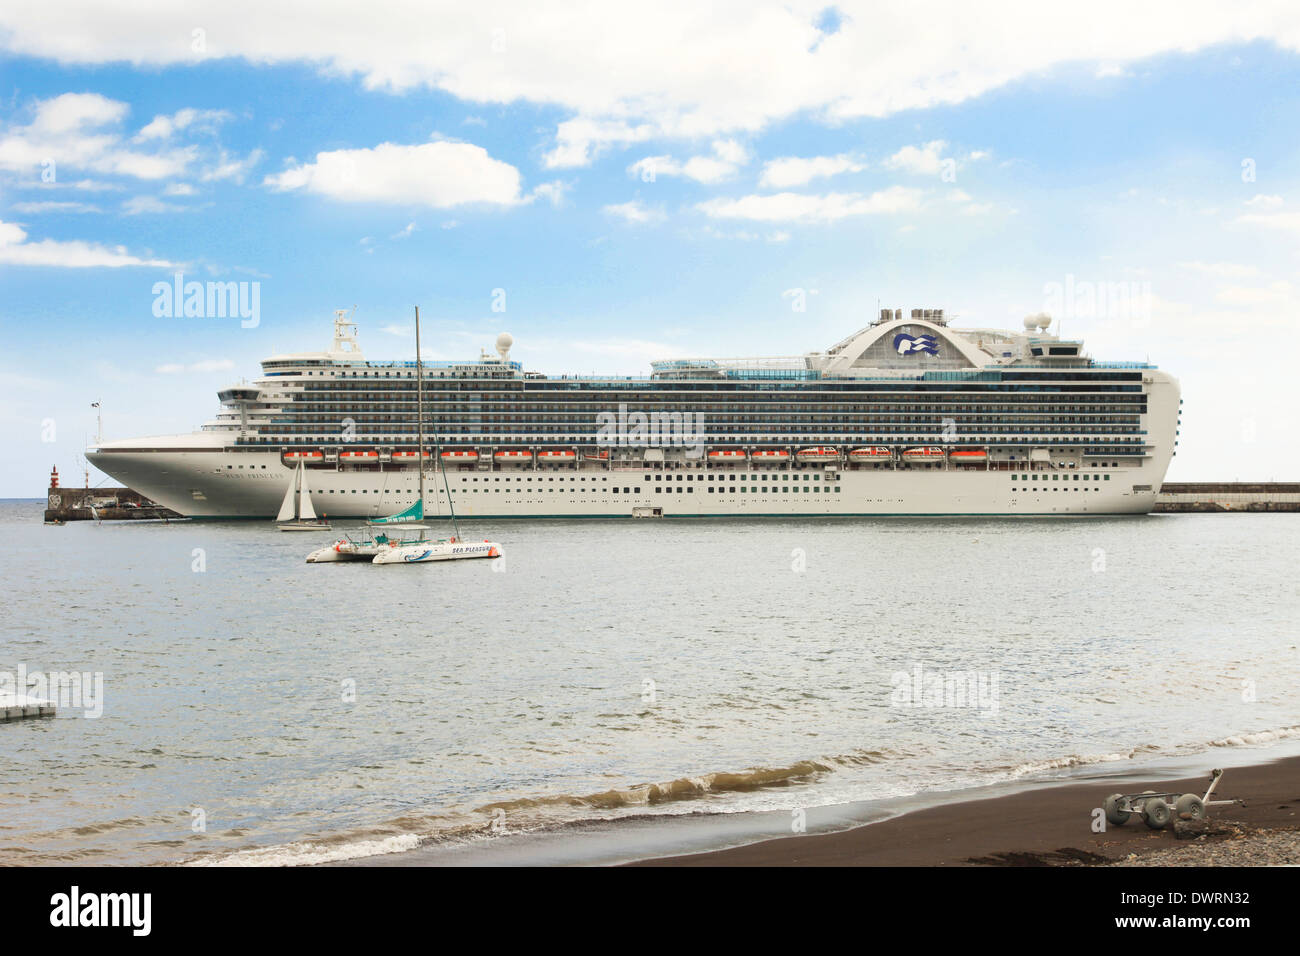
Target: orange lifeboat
513	456
359	456
459	456
408	455
602	455
771	454
305	456
872	453
969	455
727	454
557	456
927	453
819	453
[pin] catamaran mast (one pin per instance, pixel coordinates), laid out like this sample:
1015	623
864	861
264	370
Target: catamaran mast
419	418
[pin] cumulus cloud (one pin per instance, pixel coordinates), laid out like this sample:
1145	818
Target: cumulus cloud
689	71
790	171
74	254
81	131
635	212
164	126
438	174
727	158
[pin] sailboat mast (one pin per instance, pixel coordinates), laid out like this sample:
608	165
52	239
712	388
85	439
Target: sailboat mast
419	406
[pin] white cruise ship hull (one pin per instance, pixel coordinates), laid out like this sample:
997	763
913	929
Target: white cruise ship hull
250	484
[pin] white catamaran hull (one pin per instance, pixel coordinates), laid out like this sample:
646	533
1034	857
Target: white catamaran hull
438	551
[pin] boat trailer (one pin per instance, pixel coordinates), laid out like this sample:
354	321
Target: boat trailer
1158	809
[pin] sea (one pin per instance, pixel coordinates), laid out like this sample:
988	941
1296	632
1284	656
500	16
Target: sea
661	683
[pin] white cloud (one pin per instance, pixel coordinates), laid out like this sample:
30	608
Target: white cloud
73	254
1221	270
80	131
439	174
924	160
138	205
1285	220
803	207
179	189
54	206
164	127
689	71
233	168
790	171
635	212
405	231
728	156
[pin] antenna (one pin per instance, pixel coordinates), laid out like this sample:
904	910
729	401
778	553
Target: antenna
419	408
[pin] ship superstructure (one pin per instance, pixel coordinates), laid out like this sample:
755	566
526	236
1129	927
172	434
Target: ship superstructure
905	416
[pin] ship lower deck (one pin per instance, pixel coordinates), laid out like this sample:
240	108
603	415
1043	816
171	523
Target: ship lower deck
243	484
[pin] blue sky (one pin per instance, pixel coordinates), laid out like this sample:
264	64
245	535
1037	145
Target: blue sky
641	190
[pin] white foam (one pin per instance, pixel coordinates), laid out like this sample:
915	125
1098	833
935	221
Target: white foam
308	854
1259	737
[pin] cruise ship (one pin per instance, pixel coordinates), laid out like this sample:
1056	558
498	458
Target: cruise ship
908	416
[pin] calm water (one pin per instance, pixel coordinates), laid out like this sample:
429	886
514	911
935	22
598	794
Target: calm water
612	668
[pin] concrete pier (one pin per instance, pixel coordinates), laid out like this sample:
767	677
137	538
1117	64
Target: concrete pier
106	504
1228	496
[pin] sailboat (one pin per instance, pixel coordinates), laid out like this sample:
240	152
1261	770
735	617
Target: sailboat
296	512
442	549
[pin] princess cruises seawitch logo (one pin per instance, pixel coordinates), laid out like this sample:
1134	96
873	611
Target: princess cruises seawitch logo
905	344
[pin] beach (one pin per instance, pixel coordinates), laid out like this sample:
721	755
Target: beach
1054	827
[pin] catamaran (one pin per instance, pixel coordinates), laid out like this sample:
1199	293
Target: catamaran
296	511
378	547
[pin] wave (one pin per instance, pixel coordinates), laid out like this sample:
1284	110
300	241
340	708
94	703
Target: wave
526	814
1258	737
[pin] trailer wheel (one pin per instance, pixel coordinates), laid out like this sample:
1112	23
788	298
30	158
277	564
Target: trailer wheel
1114	814
1190	807
1156	813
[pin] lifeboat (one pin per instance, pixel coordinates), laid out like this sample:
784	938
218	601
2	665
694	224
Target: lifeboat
555	456
872	453
602	455
513	456
408	455
927	453
771	454
819	453
970	455
459	456
305	456
359	456
727	454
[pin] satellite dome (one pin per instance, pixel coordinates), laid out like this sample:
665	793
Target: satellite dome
504	341
1031	322
1044	320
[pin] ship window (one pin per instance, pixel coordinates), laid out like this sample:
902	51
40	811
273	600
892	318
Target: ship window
637	491
1105	477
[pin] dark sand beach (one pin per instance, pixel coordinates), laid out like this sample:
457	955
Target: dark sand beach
1053	827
